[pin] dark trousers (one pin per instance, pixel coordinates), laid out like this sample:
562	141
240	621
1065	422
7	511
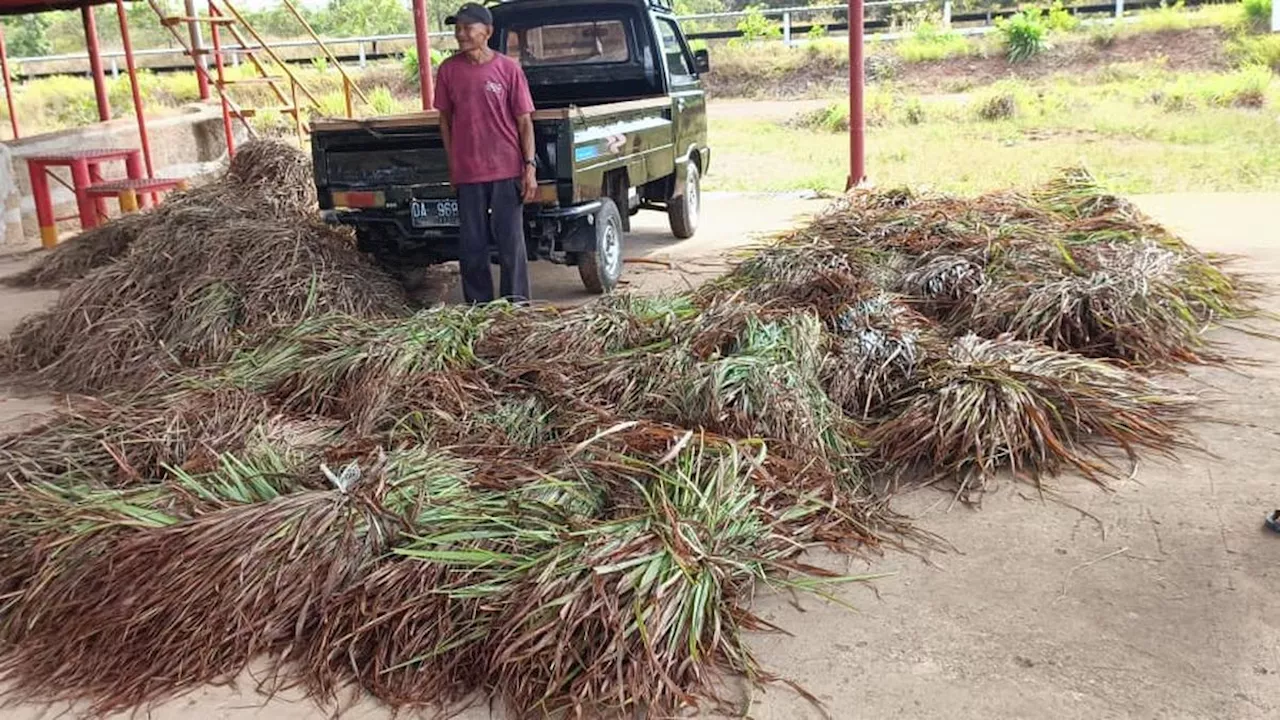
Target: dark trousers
493	210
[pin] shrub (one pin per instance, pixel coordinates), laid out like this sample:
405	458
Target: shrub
383	102
1023	35
1246	88
57	102
1257	15
1260	50
914	113
755	26
270	122
929	42
333	104
1167	19
998	106
1002	101
409	61
834	117
817	32
1061	19
879	68
1103	36
879	108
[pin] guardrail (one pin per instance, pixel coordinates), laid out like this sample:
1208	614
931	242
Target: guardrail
361	50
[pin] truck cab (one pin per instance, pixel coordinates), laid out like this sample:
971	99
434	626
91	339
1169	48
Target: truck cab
620	126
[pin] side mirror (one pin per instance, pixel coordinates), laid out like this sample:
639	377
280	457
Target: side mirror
702	61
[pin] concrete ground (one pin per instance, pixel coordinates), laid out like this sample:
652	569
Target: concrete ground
1159	599
654	260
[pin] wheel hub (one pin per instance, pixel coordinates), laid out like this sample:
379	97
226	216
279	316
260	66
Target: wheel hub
611	247
692	198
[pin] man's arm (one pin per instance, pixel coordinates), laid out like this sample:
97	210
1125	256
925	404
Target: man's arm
525	124
445	133
444	104
522	109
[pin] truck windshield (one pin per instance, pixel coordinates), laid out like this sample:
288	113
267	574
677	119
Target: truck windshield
570	43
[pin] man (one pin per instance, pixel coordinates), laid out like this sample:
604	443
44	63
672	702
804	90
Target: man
486	120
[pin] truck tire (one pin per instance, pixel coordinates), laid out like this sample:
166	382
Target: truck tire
601	267
683	211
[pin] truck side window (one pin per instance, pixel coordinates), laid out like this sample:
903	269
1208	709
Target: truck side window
677	59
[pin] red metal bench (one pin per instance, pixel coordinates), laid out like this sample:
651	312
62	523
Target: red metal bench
127	190
85	171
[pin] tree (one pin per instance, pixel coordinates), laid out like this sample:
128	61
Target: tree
28	35
353	18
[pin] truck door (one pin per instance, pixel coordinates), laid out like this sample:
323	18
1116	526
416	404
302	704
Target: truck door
688	99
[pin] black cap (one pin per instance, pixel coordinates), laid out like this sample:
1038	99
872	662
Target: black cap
470	14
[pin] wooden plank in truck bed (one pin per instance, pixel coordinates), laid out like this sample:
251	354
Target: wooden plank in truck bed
429	118
419	119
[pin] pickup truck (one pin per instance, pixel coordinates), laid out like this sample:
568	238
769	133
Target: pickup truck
620	126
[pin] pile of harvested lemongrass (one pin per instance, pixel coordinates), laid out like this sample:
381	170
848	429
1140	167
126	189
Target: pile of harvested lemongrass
566	511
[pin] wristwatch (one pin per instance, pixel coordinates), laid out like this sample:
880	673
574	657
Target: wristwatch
532	163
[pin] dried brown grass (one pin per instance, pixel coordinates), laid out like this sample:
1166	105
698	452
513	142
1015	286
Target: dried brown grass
617	479
267	178
193	287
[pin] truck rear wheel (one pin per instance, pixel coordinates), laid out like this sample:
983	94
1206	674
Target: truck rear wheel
601	268
683	211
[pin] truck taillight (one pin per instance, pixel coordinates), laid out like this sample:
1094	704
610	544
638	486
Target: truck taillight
357	199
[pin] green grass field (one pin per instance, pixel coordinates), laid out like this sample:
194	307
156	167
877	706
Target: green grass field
1140	129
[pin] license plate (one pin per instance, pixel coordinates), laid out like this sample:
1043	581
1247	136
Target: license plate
434	213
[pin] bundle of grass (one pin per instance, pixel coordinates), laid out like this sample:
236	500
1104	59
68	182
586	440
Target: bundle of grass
1006	404
190	290
767	386
182	602
51	530
266	178
876	349
898	221
1136	301
367	372
416	630
945	286
109	445
610	585
636	612
76	257
1076	194
610	325
275	174
793	274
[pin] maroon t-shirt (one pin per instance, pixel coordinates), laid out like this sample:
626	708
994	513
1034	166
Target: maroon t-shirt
483	102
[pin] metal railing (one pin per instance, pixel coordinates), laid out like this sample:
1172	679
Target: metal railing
374	47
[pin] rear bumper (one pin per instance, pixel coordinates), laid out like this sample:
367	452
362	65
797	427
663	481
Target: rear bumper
555	234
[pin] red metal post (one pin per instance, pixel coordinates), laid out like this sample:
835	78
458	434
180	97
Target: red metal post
80	180
222	79
44	204
8	88
95	63
421	31
857	75
133	87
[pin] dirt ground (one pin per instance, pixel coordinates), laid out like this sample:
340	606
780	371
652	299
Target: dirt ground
1155	600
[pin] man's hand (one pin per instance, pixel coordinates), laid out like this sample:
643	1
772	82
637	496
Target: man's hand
530	184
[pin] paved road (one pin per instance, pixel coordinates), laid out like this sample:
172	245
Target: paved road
730	220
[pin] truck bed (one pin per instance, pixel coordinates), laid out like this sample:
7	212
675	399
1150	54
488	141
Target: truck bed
403	155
